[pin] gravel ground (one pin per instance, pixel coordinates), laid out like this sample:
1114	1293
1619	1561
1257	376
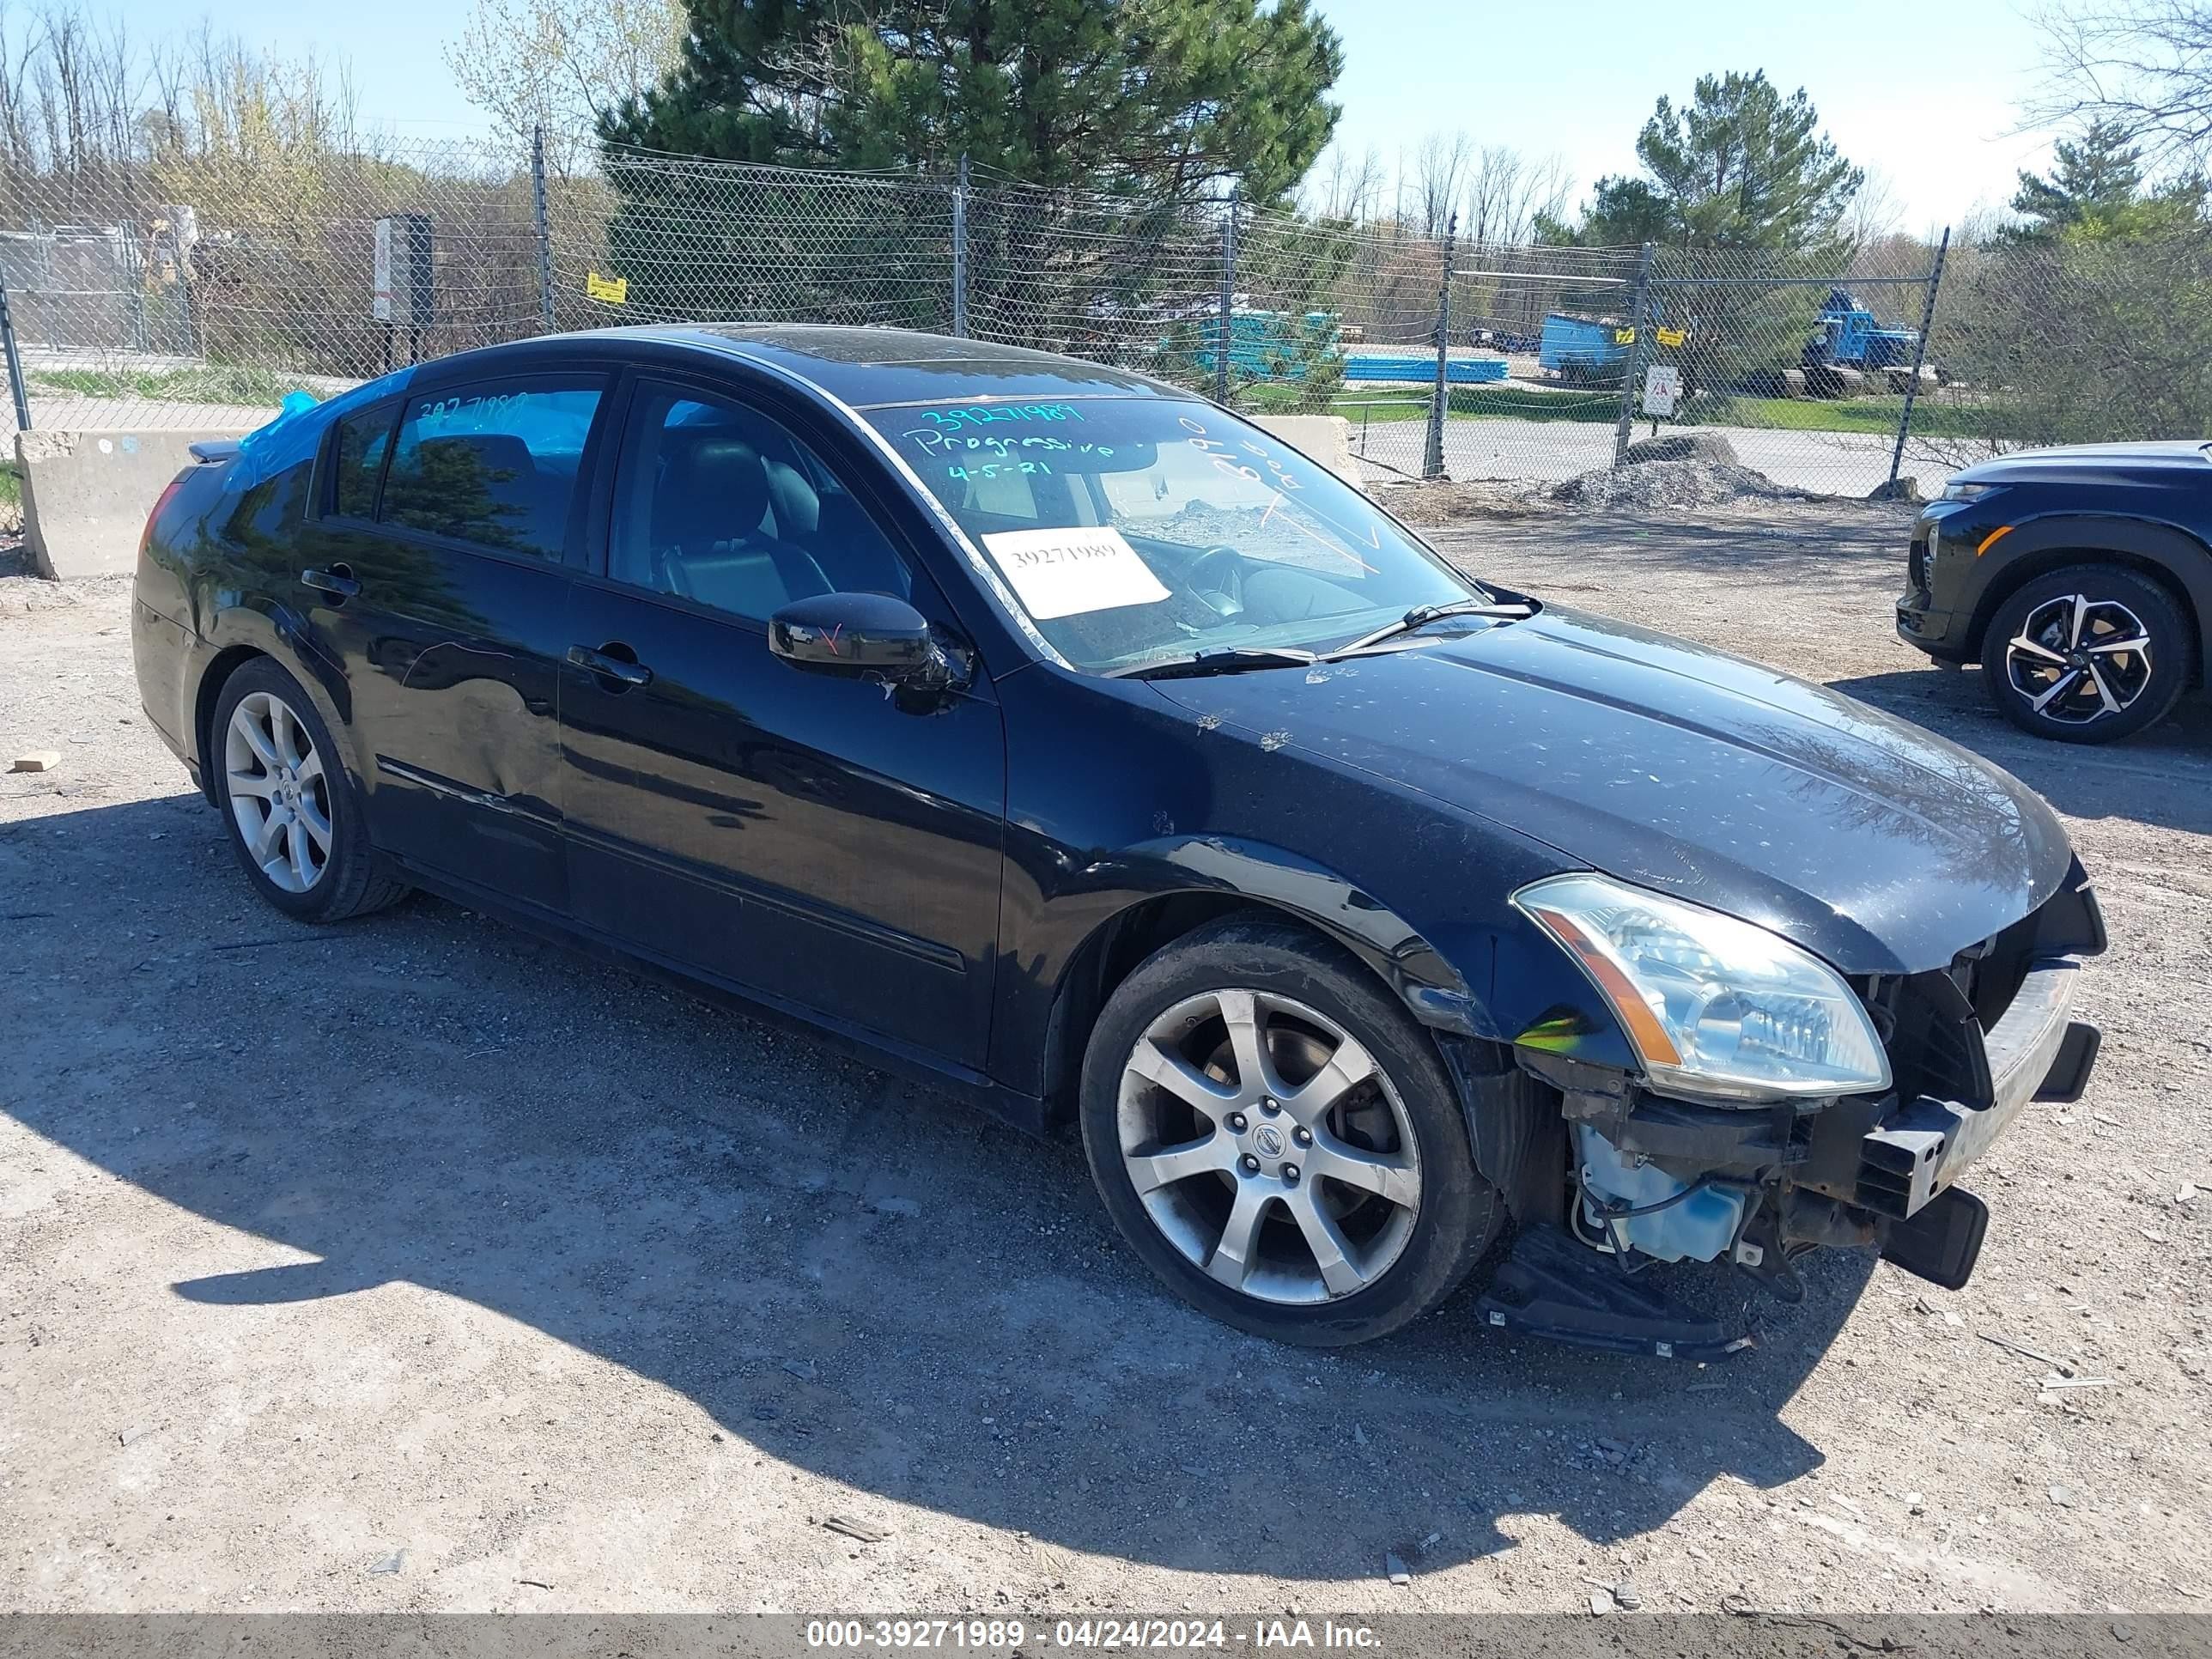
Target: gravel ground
419	1265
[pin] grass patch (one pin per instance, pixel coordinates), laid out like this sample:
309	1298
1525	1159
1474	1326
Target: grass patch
1932	417
213	383
11	487
1475	403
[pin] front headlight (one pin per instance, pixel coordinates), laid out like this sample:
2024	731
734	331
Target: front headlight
1955	492
1714	1006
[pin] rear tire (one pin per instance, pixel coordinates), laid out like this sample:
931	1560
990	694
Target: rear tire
293	812
2054	661
1318	1190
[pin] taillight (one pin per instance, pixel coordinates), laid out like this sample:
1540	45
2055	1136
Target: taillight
146	538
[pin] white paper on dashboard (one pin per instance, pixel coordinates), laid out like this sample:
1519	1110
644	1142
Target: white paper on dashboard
1065	573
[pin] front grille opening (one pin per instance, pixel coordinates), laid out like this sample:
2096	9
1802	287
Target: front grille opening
1933	1024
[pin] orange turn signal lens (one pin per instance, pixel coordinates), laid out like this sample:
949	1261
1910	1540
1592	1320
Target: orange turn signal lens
1643	1027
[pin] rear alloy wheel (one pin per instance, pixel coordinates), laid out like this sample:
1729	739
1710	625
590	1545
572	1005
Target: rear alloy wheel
295	821
2086	654
280	793
1277	1138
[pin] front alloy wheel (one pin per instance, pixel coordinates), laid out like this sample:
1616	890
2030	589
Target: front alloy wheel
1268	1148
2077	660
2086	654
1276	1137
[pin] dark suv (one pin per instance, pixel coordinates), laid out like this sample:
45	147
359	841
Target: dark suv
2079	579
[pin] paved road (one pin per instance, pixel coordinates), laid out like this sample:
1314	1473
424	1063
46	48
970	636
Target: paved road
1827	463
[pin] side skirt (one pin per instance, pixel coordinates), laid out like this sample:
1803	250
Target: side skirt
1025	1112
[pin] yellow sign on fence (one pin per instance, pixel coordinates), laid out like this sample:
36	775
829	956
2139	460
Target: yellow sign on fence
1673	337
613	290
1624	337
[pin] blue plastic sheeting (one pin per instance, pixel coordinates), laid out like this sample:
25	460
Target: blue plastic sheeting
297	432
1458	371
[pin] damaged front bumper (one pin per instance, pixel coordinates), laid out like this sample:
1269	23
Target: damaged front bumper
1657	1179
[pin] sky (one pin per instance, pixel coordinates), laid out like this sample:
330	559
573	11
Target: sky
1922	92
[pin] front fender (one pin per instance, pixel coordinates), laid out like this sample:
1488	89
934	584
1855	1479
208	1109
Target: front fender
2046	541
1495	987
1439	993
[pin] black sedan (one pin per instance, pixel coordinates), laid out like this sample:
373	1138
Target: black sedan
1072	745
2079	579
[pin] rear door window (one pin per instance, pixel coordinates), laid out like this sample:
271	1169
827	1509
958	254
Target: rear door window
494	466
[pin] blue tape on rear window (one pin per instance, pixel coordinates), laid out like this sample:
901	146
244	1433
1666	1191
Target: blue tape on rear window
297	431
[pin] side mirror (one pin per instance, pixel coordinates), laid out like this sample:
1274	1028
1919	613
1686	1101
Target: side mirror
862	634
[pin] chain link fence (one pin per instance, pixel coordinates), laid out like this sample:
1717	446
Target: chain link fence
198	291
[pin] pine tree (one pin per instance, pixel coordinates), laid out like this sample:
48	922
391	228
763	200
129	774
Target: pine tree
1738	167
2094	176
1160	99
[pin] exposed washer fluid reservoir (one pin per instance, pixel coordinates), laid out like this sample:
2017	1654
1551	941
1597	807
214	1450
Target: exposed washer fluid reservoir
1699	1228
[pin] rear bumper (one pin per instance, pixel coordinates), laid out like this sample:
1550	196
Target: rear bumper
162	652
2037	1052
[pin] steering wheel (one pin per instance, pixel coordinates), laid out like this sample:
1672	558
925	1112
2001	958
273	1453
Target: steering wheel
1216	576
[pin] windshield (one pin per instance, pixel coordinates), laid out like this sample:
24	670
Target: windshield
1134	530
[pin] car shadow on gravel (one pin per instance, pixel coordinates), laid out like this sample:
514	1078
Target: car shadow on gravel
846	1274
2162	777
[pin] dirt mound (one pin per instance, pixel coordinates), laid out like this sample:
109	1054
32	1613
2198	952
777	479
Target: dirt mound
1683	446
1659	484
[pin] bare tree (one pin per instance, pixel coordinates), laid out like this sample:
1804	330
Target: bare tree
79	97
531	64
1874	214
1440	170
1506	190
1346	186
2144	66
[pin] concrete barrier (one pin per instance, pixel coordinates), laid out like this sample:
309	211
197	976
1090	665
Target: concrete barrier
86	495
1324	438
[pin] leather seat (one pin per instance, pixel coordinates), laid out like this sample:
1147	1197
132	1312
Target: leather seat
709	536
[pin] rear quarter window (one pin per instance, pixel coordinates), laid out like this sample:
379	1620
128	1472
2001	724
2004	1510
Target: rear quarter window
357	461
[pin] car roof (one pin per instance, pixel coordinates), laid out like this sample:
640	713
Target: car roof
864	367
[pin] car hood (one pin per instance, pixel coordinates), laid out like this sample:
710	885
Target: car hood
1870	841
2087	463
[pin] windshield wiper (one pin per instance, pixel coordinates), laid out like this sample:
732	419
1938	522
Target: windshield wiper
1232	659
1422	615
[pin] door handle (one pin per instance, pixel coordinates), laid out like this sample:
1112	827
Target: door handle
337	581
603	663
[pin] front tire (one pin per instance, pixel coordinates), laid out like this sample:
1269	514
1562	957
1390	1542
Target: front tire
2088	654
1277	1138
295	817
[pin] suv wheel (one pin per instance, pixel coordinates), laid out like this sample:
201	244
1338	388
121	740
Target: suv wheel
295	821
2086	654
1277	1140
